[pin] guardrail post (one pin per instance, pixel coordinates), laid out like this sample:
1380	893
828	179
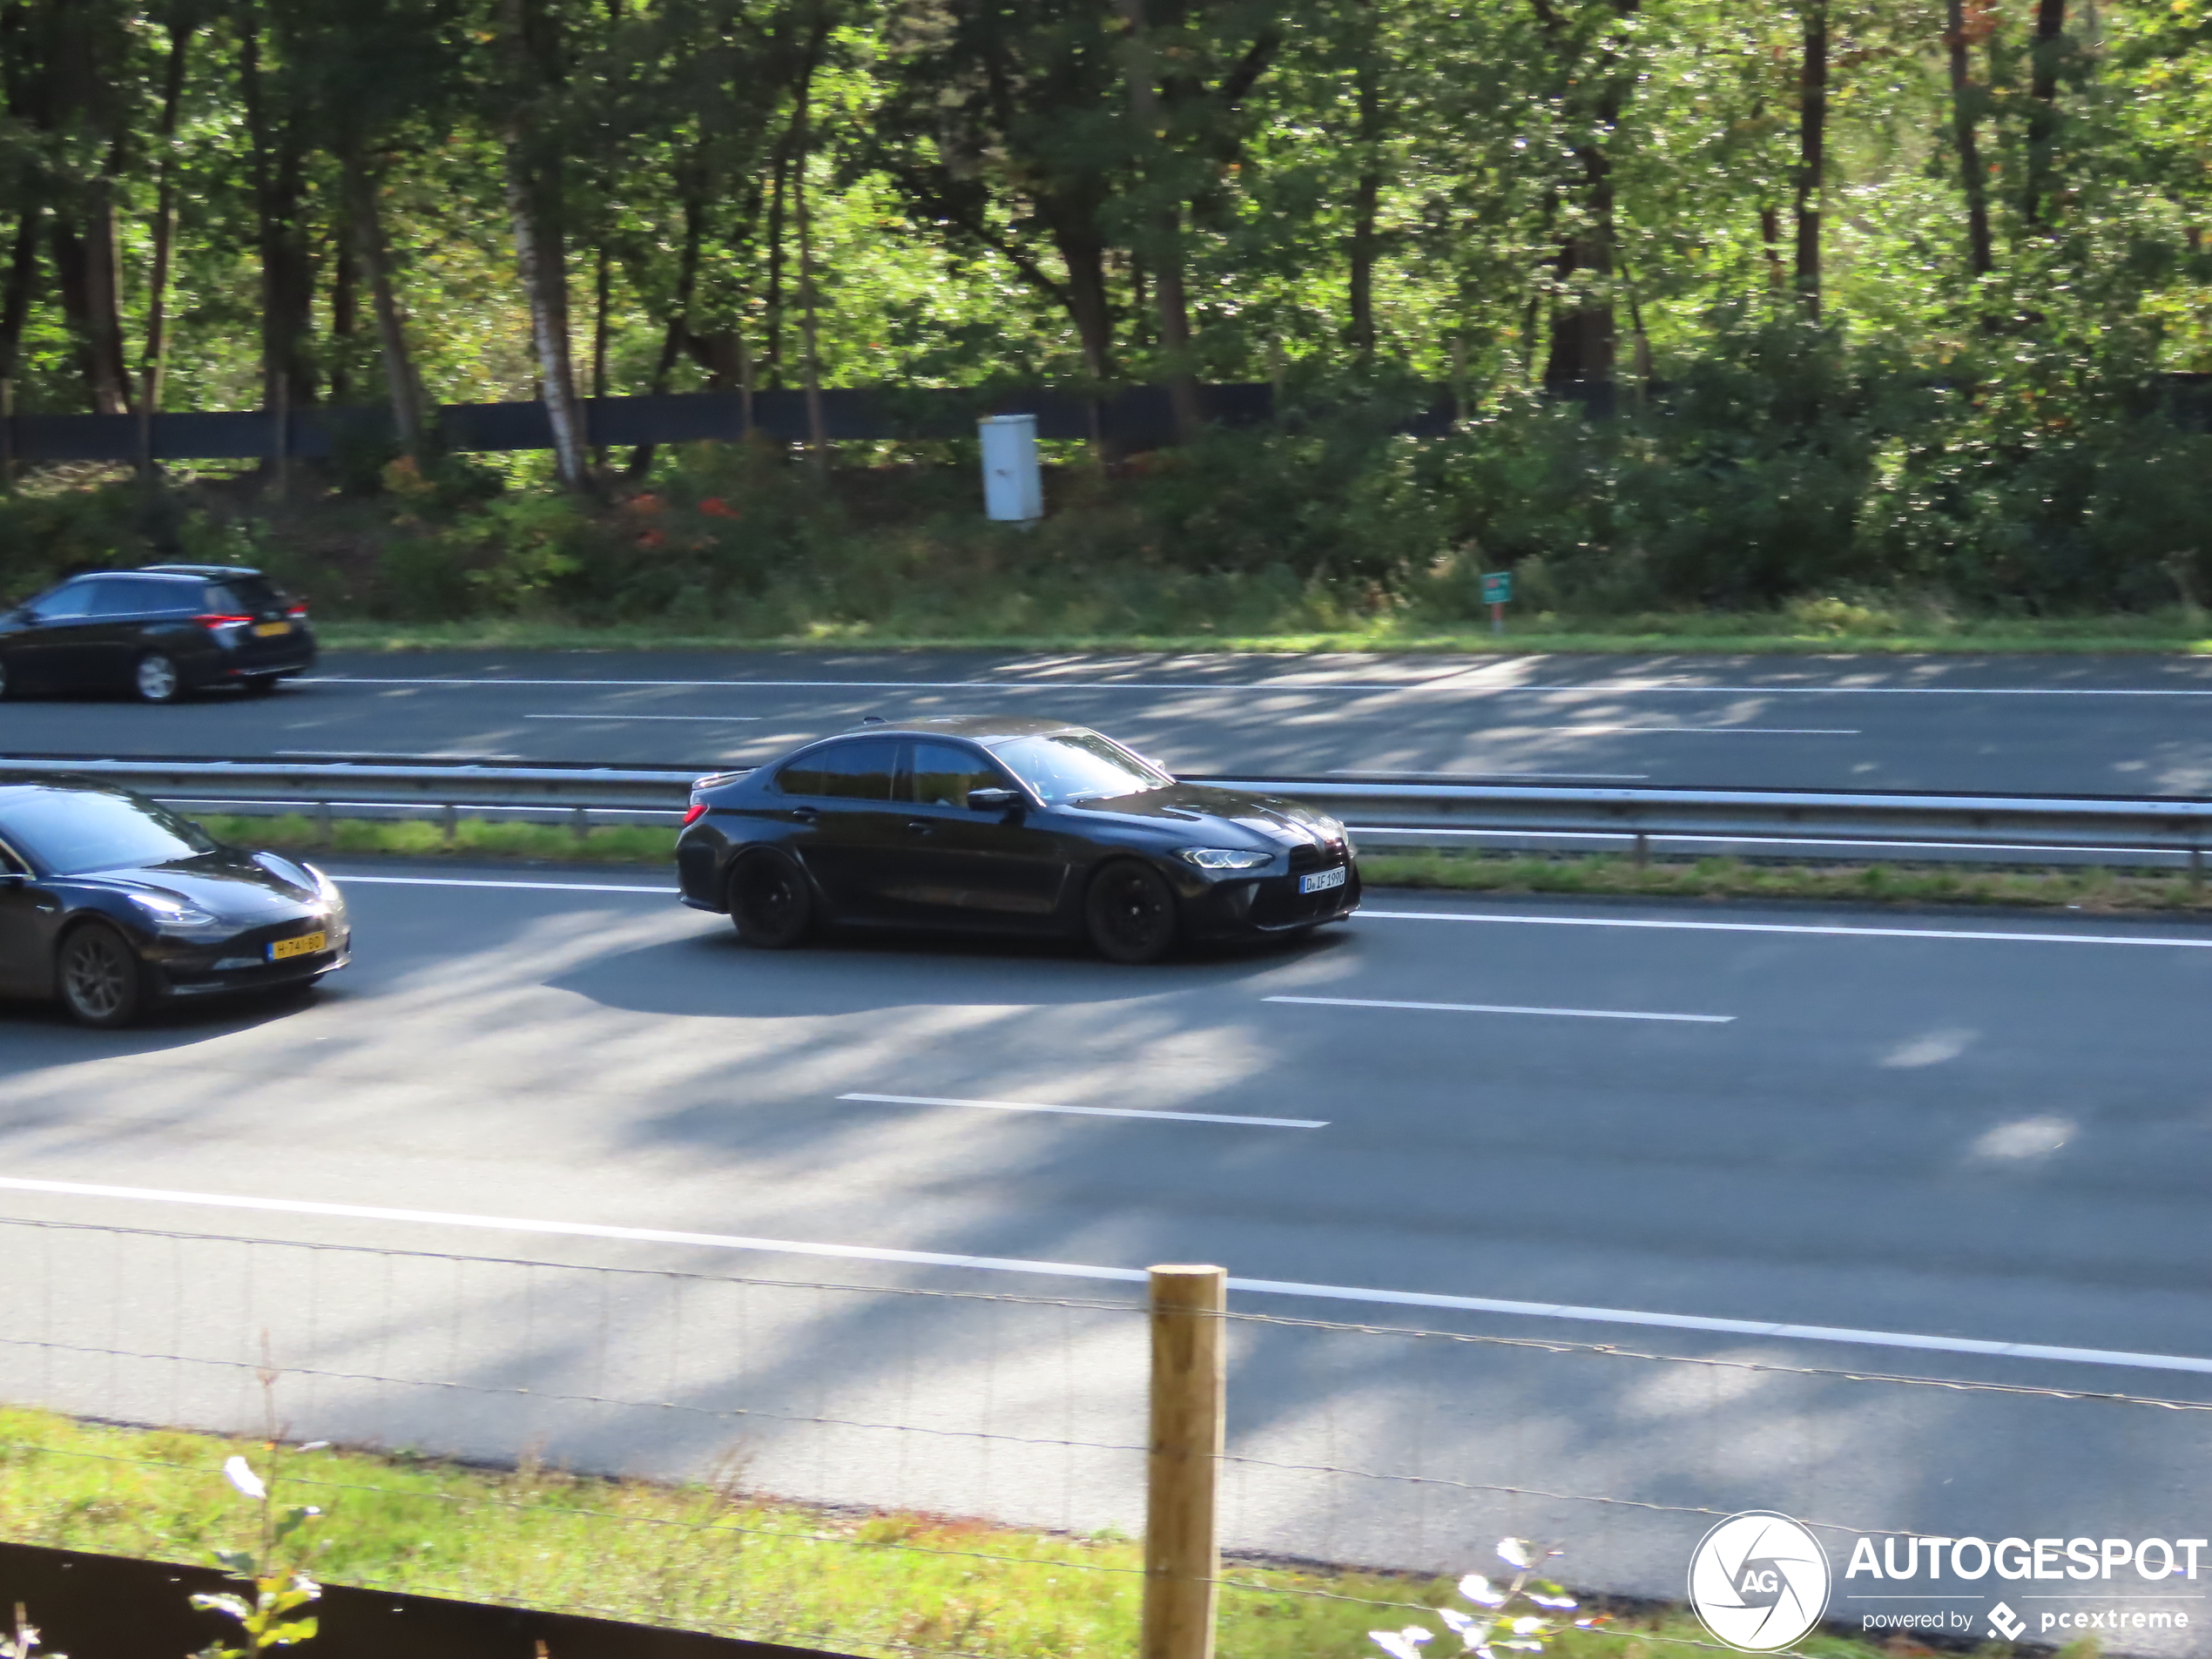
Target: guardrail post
2196	869
323	831
1642	854
580	819
1183	1472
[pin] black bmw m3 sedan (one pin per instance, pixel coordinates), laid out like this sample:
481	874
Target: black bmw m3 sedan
111	904
1010	825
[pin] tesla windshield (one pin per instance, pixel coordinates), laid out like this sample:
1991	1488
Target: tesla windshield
1077	766
69	832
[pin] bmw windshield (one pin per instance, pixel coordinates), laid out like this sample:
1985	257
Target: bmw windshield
1069	766
72	831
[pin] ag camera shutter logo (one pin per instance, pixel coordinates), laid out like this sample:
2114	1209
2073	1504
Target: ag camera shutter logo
1759	1581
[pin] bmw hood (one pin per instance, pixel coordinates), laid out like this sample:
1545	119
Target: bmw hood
1224	817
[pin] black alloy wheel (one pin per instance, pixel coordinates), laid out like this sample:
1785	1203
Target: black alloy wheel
102	983
1130	912
155	678
771	906
4	679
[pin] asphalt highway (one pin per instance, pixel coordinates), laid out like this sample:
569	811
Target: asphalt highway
1927	1135
2111	726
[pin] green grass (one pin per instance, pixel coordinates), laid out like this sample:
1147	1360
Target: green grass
2087	889
1760	635
1603	873
716	1558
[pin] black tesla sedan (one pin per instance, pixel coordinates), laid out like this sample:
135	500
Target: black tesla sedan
113	903
1015	825
160	632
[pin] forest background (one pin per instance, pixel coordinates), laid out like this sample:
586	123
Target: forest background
1837	317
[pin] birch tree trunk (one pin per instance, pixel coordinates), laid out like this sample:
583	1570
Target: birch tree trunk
533	203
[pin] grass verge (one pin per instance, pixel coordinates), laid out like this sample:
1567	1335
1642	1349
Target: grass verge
1603	875
714	1557
1711	635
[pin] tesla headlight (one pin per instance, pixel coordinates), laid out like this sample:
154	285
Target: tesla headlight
174	916
325	889
1223	858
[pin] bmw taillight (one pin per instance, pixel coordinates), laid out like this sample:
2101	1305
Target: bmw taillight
299	613
222	622
697	811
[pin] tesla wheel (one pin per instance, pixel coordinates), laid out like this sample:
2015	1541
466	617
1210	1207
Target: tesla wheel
155	678
770	904
102	983
1131	914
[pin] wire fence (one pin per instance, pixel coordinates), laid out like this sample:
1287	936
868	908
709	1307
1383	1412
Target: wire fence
915	1468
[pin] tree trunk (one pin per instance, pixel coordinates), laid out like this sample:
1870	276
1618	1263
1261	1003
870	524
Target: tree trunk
154	366
1770	244
772	345
14	303
345	309
1366	190
1584	333
2043	112
1812	141
817	441
1164	255
1082	249
279	144
692	188
533	207
85	274
1965	108
401	384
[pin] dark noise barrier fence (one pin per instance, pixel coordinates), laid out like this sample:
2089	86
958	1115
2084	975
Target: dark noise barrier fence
1132	418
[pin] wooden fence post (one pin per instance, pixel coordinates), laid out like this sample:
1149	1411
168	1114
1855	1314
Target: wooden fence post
1183	1472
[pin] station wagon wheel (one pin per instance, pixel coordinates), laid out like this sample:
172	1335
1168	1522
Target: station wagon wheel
4	679
1129	912
155	678
101	981
771	905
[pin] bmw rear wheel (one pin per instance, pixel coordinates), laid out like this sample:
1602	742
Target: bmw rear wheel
771	906
155	678
1129	912
102	983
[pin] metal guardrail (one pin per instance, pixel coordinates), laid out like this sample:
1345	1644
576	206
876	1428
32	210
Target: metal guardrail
1844	825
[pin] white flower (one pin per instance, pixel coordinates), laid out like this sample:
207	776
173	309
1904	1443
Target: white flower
314	1446
1479	1590
1527	1627
1553	1601
241	1474
1516	1552
1402	1644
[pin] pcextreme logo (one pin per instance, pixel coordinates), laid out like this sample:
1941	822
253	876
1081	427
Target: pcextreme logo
1759	1581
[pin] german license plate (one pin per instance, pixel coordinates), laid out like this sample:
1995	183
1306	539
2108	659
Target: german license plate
305	945
271	629
1321	880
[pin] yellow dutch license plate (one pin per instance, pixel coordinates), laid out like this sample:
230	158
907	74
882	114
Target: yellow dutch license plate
271	629
305	945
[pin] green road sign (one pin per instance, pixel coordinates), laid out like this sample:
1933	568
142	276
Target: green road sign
1497	588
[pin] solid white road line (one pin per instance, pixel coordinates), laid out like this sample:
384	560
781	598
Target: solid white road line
1457	688
612	715
1485	777
1123	1275
1786	928
1743	730
1491	1008
455	881
1093	1112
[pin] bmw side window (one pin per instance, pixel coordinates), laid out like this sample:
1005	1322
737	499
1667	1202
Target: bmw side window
942	774
843	772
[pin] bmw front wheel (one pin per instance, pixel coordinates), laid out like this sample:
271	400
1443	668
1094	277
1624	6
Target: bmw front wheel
1129	912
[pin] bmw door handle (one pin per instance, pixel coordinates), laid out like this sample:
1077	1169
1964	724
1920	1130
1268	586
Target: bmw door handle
918	826
806	814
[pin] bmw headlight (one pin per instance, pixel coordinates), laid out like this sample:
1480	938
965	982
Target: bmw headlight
175	917
1223	858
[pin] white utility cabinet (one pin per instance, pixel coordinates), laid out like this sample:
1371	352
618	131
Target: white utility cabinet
1013	490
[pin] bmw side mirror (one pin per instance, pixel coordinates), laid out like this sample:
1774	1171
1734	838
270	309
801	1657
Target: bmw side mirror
991	800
